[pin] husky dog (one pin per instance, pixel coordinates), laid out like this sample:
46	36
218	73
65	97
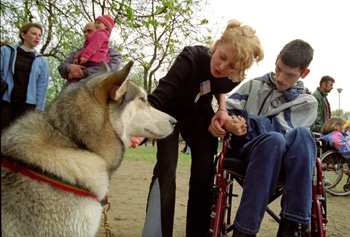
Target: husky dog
56	166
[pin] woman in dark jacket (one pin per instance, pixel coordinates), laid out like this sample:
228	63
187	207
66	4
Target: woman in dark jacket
186	93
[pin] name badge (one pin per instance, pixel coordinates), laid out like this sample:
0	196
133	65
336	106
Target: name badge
204	89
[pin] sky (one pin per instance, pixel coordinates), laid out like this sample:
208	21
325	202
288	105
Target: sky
323	24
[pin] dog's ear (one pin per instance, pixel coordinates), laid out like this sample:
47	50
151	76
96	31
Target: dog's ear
108	86
103	67
119	92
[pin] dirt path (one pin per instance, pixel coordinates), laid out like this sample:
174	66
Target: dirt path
129	190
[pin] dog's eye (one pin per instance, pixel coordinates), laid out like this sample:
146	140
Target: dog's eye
143	99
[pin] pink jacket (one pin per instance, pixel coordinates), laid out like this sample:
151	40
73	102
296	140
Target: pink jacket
95	47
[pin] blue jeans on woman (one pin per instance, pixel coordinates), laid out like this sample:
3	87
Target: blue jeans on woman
269	155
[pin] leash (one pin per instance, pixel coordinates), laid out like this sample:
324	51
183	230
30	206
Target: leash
36	173
105	218
53	180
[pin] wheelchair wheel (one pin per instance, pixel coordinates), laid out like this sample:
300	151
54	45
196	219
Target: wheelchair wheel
334	168
347	185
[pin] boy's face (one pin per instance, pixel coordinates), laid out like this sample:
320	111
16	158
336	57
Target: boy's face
287	77
32	38
100	26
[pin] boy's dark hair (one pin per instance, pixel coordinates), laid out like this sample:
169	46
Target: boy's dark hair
27	26
297	53
326	79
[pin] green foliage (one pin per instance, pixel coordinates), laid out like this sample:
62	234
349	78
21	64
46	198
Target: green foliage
341	114
56	83
149	32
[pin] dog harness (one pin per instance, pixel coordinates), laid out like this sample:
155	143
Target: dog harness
53	180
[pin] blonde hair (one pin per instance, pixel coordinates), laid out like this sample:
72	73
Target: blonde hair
331	125
347	125
245	44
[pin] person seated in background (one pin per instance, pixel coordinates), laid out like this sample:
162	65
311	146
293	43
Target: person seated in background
334	132
347	130
76	71
272	134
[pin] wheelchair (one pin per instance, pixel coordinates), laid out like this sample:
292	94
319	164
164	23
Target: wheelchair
230	169
335	169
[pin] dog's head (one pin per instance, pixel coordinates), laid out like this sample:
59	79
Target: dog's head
130	113
108	106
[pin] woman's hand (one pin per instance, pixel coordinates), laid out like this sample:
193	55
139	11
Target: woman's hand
135	141
218	120
222	116
215	129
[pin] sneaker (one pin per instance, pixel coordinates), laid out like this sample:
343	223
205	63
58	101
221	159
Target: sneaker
289	228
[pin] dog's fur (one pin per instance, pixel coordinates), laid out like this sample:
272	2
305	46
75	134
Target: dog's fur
80	138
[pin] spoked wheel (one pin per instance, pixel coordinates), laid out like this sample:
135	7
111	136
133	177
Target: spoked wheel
347	185
334	168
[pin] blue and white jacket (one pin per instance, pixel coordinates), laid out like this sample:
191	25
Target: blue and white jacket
266	108
38	78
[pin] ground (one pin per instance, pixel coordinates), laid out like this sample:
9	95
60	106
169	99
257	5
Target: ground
128	196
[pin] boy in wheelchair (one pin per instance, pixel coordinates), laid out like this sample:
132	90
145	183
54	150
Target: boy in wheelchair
272	132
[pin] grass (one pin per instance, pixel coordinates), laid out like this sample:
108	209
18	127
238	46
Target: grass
149	154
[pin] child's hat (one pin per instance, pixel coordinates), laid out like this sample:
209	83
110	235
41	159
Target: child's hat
107	20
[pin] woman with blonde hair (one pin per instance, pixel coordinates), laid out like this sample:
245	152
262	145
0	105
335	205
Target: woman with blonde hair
186	92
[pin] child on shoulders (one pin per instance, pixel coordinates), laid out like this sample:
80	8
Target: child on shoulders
96	45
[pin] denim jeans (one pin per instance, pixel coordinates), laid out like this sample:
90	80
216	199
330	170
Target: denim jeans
293	154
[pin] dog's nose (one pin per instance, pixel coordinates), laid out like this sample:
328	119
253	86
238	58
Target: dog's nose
173	121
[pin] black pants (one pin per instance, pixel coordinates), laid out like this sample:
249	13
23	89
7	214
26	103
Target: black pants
10	111
203	148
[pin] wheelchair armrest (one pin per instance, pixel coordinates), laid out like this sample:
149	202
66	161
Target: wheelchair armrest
234	164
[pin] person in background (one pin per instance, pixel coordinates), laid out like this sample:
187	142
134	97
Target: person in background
324	108
26	72
186	93
347	130
76	72
277	111
334	131
96	45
